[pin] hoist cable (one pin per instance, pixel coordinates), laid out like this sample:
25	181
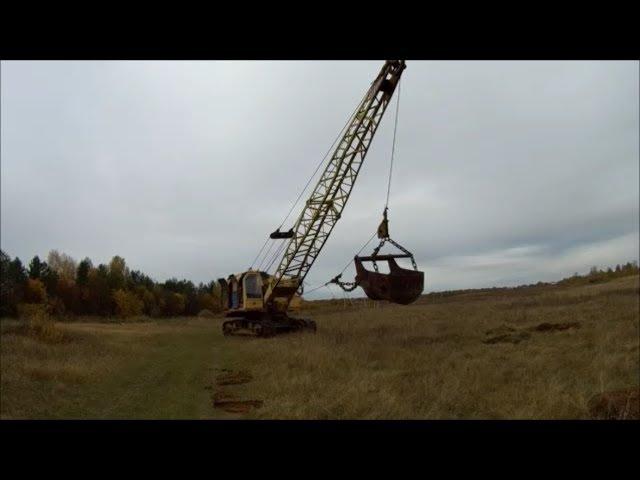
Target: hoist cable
359	251
266	254
345	267
268	259
316	288
276	255
307	184
393	147
258	255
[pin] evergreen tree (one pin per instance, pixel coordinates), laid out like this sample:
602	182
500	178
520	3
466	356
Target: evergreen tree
35	268
6	286
17	272
82	274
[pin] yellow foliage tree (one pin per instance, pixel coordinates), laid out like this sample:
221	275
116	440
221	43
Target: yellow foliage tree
148	300
127	304
206	301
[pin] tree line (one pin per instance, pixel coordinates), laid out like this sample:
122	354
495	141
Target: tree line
598	275
66	287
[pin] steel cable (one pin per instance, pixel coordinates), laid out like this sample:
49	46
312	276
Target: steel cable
306	185
276	255
393	147
320	164
258	255
266	254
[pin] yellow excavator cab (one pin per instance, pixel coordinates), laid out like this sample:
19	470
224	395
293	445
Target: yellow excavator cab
242	292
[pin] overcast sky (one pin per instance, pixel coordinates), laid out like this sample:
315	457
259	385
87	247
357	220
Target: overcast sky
505	173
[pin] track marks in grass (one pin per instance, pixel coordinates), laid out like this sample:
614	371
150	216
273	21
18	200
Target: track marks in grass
234	378
227	400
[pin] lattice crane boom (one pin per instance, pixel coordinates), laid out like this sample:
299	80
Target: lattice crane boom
324	207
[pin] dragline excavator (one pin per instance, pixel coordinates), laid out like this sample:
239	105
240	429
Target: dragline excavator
256	302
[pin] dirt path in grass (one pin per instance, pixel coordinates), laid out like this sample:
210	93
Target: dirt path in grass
152	370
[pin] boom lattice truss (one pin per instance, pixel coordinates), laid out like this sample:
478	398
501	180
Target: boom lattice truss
329	197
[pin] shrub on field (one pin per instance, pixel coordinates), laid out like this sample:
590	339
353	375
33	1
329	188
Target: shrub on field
39	324
26	311
127	304
44	328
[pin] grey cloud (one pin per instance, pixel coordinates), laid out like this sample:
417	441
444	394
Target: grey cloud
505	171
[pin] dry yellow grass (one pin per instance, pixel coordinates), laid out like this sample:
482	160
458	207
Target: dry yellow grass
109	370
429	360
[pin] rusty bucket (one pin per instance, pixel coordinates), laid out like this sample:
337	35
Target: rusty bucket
400	285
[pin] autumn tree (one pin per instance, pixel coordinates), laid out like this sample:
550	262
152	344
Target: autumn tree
82	286
148	299
127	304
35	291
100	301
207	295
173	303
67	291
66	286
50	279
187	290
62	264
206	301
118	273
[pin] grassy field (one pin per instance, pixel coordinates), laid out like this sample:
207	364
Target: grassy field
109	370
530	353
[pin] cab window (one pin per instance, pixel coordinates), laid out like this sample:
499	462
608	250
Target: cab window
252	286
